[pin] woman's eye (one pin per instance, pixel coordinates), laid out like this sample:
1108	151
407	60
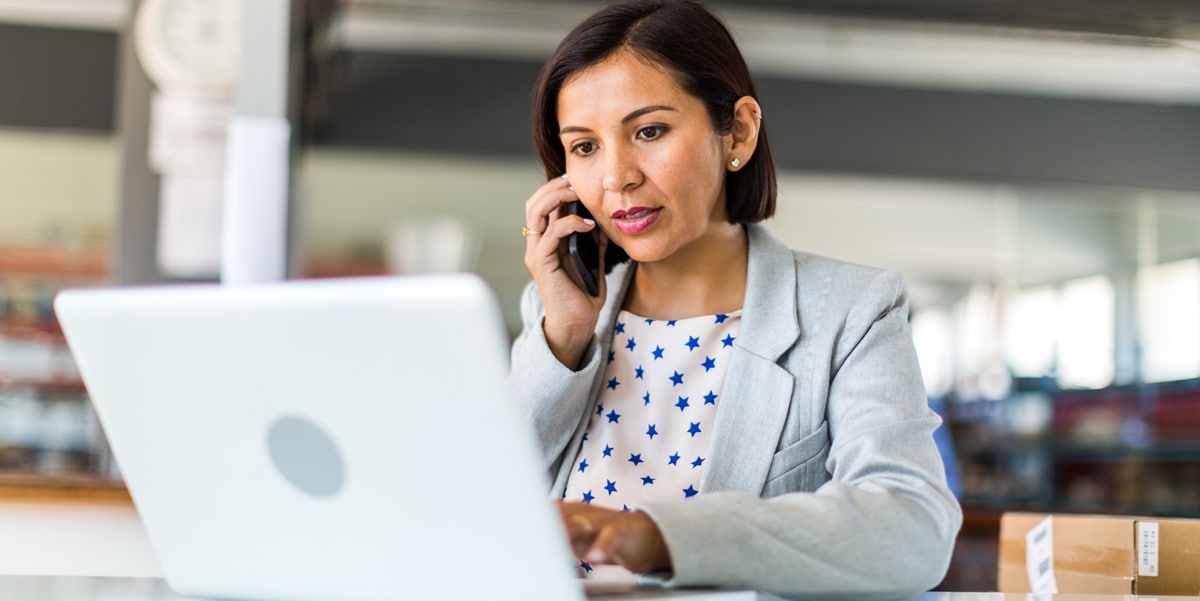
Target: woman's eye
651	132
583	148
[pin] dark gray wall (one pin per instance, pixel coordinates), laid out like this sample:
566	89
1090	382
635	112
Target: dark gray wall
482	107
57	78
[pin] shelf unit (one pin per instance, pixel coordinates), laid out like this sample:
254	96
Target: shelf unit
49	437
1122	450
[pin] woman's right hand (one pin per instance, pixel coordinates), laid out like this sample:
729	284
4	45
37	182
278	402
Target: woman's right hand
571	313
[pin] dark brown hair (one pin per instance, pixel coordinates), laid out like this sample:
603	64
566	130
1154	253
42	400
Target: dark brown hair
683	37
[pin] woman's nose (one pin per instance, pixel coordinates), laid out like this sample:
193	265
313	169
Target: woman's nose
621	171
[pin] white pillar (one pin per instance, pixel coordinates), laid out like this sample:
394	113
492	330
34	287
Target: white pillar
257	169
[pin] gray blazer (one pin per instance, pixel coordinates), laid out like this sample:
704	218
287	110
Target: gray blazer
823	479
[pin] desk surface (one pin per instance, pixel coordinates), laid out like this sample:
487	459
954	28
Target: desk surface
77	588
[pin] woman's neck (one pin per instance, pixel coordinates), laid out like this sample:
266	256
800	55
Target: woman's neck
707	278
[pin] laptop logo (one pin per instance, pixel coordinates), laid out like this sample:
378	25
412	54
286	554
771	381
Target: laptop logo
306	456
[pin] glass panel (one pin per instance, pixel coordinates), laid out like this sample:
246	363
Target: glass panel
1030	334
1085	339
1168	311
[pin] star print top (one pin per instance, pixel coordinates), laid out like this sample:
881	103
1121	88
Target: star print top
649	435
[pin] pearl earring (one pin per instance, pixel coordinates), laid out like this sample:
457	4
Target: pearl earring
735	163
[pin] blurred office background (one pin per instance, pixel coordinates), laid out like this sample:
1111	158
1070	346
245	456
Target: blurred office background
1031	166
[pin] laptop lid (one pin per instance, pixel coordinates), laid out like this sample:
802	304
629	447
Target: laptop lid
317	440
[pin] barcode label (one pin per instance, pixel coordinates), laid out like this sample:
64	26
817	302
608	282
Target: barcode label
1147	544
1039	557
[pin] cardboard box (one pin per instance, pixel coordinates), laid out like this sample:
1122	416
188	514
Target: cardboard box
1082	554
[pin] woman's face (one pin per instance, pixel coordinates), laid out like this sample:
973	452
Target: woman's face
643	157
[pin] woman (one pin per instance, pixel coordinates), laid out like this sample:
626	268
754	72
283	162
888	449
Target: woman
727	411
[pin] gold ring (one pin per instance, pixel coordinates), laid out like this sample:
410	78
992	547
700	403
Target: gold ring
581	522
525	231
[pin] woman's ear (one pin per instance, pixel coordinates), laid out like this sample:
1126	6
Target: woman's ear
747	121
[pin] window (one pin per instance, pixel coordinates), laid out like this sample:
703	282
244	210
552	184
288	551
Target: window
1086	326
1168	320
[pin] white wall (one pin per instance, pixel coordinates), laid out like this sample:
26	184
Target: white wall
57	188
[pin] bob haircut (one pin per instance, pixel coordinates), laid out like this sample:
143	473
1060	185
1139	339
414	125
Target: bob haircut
690	42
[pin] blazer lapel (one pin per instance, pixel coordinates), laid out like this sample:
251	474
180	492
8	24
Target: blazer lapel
757	394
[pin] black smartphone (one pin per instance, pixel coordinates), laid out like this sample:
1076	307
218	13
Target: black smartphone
584	251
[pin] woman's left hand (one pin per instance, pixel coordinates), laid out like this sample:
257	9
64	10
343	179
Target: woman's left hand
607	536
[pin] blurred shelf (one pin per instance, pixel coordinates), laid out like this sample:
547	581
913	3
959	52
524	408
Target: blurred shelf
42	388
48	261
37	329
40	487
339	268
1170	450
1060	449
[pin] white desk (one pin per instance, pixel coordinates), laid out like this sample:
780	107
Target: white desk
78	588
72	538
65	551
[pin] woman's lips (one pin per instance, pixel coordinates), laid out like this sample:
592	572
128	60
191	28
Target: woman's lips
634	219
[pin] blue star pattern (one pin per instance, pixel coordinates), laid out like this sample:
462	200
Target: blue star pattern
647	442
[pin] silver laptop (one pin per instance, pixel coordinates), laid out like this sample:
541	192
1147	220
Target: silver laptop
317	440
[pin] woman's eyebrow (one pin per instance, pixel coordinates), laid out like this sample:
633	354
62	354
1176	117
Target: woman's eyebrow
646	110
575	129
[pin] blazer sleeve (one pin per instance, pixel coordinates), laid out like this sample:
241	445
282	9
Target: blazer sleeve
882	527
553	396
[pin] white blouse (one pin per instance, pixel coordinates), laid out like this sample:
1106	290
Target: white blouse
649	437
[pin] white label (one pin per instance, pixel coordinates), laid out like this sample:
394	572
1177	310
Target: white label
1039	557
1147	545
188	134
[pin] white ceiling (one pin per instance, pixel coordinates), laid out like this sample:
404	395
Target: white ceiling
781	43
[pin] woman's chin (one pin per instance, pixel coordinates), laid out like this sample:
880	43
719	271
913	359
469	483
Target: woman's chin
644	252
